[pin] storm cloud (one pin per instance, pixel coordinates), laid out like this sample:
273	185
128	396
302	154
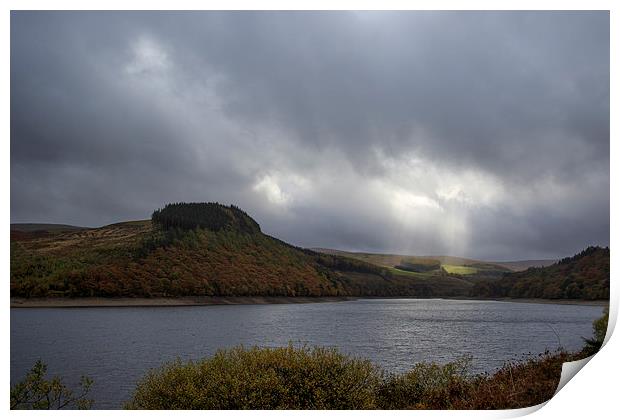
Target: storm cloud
480	134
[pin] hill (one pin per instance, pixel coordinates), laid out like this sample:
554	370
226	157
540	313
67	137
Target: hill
198	249
208	249
524	264
37	230
391	260
45	227
429	265
583	276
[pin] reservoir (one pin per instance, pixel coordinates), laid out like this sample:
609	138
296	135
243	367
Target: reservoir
117	346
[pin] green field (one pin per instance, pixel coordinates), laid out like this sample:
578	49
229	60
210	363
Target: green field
459	269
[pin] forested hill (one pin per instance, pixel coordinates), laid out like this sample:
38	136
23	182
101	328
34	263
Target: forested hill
208	249
583	276
197	249
211	216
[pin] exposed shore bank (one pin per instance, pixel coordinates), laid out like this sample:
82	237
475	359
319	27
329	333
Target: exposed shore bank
176	301
243	300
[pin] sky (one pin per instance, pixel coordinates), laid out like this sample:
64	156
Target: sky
477	134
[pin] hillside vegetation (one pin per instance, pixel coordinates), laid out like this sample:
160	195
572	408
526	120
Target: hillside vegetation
392	260
21	231
208	249
210	216
583	276
418	265
197	249
466	269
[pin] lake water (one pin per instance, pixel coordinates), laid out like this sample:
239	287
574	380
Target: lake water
117	346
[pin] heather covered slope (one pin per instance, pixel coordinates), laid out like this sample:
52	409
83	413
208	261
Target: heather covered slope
583	276
134	259
197	250
137	259
207	249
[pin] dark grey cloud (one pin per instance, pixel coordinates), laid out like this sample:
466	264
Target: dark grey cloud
484	134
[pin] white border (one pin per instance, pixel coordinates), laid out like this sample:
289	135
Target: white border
590	395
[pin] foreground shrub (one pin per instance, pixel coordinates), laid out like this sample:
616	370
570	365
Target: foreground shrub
426	386
320	378
451	386
37	393
593	344
516	384
262	378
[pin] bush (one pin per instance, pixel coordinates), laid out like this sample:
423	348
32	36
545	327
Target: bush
599	326
427	385
516	384
320	378
262	378
37	393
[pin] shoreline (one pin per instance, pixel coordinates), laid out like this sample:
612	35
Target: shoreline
99	302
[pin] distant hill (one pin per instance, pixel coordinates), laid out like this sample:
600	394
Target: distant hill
47	227
433	263
197	249
392	260
583	276
525	264
37	230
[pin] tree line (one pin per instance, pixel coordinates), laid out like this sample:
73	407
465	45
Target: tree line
211	216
